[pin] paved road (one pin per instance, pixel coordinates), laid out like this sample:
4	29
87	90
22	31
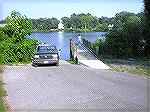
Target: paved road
40	89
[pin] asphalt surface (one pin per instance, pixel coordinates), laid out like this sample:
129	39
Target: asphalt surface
73	88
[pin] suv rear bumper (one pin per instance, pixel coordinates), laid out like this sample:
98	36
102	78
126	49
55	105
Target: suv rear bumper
45	61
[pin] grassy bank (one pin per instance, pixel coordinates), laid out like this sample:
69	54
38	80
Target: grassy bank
134	66
71	62
2	92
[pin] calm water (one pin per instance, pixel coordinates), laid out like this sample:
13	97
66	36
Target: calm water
61	39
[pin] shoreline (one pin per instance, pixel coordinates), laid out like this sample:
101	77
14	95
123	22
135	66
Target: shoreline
64	31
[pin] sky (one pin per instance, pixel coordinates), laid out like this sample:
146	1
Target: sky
64	8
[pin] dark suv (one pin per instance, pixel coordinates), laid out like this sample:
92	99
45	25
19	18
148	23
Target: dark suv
46	54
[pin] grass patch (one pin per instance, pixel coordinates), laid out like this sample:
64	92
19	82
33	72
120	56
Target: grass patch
134	66
130	69
2	93
72	62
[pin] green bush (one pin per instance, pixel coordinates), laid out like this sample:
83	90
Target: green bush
19	52
100	44
1	40
15	47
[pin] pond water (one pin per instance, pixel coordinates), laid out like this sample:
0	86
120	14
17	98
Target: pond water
61	39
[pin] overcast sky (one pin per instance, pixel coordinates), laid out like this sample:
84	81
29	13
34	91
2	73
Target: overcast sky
61	8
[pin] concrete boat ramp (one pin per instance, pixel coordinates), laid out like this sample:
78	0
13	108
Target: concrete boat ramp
87	58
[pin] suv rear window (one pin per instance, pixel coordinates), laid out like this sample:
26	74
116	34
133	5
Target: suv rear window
46	48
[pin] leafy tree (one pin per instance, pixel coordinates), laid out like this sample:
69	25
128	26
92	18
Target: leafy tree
80	21
123	16
85	20
76	21
17	26
54	23
45	24
102	27
106	20
66	22
15	46
133	30
2	37
118	25
123	39
147	26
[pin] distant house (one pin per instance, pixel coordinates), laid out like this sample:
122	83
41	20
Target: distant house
60	26
2	25
110	26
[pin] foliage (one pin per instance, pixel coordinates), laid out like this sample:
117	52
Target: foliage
14	44
44	24
66	22
123	16
83	22
123	40
102	27
106	20
19	52
79	22
101	44
126	39
17	26
98	42
2	94
72	62
146	32
1	39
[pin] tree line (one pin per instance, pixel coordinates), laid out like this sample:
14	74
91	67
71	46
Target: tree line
79	22
44	24
76	22
128	38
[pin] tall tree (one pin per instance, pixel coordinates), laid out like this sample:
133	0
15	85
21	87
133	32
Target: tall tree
76	21
147	32
17	26
54	22
66	22
123	16
132	31
15	46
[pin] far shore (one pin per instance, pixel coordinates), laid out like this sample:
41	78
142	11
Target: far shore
66	30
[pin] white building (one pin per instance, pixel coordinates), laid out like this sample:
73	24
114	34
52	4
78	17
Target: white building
110	26
60	26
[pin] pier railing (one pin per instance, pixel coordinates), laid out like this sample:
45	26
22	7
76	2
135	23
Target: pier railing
88	46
